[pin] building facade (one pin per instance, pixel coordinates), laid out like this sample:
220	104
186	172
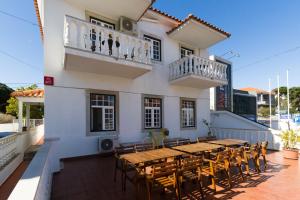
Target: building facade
121	69
245	104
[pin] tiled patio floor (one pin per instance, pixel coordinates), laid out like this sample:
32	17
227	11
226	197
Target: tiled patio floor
92	178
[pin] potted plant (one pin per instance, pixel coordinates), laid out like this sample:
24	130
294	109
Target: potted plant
208	125
289	139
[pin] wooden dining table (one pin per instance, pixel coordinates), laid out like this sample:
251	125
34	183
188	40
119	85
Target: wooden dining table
228	142
150	155
197	147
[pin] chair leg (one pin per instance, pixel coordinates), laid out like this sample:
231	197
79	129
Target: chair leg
257	164
213	183
247	168
229	177
265	162
148	187
241	171
115	172
201	190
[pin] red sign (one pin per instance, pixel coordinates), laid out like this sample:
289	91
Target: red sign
48	80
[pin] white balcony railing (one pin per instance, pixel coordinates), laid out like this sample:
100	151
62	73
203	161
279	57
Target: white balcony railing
8	149
80	34
193	65
250	135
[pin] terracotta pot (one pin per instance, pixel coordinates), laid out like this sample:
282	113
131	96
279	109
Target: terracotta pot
291	154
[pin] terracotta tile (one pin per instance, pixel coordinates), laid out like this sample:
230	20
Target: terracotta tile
92	178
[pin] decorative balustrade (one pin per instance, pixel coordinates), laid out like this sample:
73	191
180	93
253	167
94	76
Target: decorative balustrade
250	135
90	37
193	65
8	149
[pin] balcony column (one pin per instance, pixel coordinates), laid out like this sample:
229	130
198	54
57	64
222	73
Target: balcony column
28	116
20	115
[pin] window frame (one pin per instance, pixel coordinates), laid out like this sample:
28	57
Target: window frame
147	36
194	112
144	112
186	49
88	126
102	21
103	113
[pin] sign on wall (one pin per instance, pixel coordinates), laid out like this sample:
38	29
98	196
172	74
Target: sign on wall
224	92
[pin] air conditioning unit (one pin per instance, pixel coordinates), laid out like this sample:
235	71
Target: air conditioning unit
106	144
128	26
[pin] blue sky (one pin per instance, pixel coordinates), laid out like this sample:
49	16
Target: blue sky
260	29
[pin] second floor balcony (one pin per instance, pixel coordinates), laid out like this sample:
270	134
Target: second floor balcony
197	72
96	49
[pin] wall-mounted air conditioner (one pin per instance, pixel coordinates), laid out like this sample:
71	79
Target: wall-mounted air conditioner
106	144
128	26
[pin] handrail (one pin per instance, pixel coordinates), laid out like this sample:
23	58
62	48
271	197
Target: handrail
87	36
194	65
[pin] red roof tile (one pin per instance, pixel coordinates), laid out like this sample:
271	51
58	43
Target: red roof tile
251	89
201	21
29	93
165	14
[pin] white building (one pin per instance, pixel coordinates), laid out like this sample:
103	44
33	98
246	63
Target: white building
123	68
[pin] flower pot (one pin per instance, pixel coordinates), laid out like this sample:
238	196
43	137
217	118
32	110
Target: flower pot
291	154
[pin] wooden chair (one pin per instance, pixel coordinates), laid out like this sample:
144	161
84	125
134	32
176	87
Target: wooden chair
169	143
220	163
163	175
263	152
252	152
190	170
143	147
183	142
206	139
120	165
236	159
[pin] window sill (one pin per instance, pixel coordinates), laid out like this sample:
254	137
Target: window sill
112	134
188	128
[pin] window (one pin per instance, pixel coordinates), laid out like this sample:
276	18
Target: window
185	52
103	112
152	113
102	23
188	113
156	47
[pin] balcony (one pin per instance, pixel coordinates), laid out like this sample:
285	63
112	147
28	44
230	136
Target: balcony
197	72
95	49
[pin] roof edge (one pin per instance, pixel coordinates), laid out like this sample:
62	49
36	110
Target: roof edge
37	12
201	21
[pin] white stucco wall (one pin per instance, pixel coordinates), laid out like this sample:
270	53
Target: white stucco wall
65	102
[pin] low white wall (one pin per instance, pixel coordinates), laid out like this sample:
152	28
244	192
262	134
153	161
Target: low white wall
37	179
24	141
10	168
9	127
228	125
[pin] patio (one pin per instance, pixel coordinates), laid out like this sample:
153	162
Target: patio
92	178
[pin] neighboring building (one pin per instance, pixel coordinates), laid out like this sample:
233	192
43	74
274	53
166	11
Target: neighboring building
221	97
262	96
118	69
245	104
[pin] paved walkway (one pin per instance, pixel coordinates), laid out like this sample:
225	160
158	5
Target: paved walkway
7	187
92	178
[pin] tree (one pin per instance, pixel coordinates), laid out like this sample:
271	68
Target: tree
4	96
36	111
295	99
265	111
12	107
